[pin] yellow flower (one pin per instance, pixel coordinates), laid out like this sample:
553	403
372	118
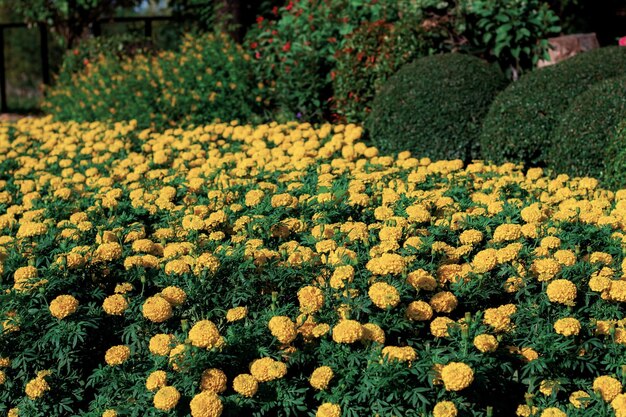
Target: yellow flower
419	311
166	398
619	405
311	299
204	334
387	263
553	412
267	369
607	386
401	354
457	376
35	388
63	306
373	333
174	295
156	380
507	232
422	280
485	260
328	410
109	413
160	344
245	384
439	326
157	309
236	314
384	295
347	331
115	305
545	268
445	409
443	302
499	318
548	386
213	380
206	404
470	237
117	355
562	291
320	377
485	343
579	399
568	326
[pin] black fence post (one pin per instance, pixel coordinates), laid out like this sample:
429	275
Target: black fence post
148	28
3	79
45	63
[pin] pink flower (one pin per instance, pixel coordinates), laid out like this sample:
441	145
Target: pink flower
622	41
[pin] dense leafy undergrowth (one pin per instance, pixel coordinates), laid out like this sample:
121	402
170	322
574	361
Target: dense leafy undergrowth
290	270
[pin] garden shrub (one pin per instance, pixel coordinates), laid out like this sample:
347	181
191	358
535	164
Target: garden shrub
370	55
582	143
434	107
208	78
291	270
521	119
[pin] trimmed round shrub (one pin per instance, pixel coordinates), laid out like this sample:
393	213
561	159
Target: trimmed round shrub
616	170
434	107
521	119
581	143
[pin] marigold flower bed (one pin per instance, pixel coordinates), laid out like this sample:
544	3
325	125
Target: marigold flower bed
290	270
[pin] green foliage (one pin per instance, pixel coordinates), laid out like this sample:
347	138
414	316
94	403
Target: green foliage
370	55
616	170
71	18
208	78
583	143
434	107
513	32
520	121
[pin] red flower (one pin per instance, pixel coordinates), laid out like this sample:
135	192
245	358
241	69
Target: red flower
75	51
332	75
275	10
622	41
289	6
257	55
260	19
85	62
254	45
287	47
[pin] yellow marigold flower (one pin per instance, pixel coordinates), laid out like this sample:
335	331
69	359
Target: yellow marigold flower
439	326
562	291
157	309
401	354
387	263
607	386
550	242
373	333
320	330
568	326
177	267
599	283
311	299
3	378
206	262
174	295
347	331
117	355
421	280
617	292
236	314
419	311
108	252
204	334
548	386
457	376
529	354
579	399
507	233
384	295
321	377
470	237
499	318
619	405
443	302
254	197
213	380
485	260
553	412
192	222
283	329
22	276
115	305
166	398
35	388
601	257
31	229
445	409
545	268
565	257
341	275
485	343
156	380
63	306
267	369
526	411
328	410
206	404
160	344
109	413
418	213
5	362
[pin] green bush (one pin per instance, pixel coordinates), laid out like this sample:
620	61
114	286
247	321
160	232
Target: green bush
581	143
616	170
434	106
208	78
522	118
371	54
